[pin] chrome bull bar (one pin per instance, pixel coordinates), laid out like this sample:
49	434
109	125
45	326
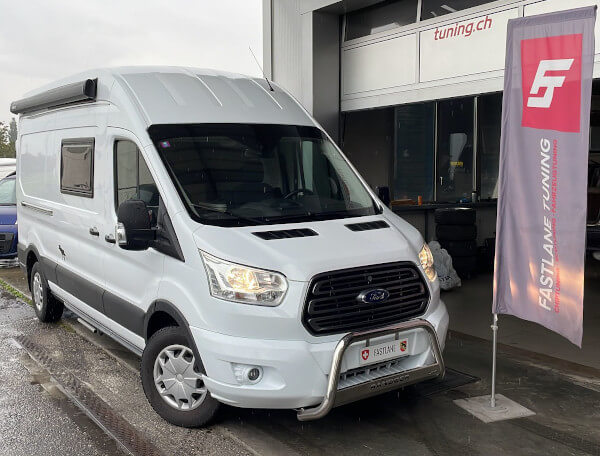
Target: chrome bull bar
333	397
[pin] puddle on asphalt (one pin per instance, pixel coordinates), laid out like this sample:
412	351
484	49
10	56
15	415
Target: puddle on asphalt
41	377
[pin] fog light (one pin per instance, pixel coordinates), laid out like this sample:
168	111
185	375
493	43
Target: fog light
253	374
247	375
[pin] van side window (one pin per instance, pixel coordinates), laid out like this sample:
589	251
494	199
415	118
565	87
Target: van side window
132	177
77	167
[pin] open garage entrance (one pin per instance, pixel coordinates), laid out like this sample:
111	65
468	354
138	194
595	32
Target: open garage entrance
446	154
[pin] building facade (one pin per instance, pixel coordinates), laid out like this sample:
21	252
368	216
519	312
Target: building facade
410	89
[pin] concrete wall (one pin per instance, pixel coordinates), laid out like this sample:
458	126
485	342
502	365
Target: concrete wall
302	54
286	45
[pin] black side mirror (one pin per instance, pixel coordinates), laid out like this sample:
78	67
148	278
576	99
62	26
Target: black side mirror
134	231
384	195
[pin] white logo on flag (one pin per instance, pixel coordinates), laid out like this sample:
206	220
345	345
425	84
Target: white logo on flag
549	82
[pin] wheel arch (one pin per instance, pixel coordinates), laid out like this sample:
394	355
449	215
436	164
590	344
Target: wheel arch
31	255
160	308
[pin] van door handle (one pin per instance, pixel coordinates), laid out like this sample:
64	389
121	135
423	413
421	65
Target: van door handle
110	238
94	231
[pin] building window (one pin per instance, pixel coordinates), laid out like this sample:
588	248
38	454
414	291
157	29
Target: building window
489	123
414	155
435	8
368	142
380	17
454	180
132	177
77	167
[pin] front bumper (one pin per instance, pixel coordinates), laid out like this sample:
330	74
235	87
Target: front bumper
301	375
334	396
9	262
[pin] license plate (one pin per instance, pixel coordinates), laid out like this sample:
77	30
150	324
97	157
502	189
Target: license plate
383	352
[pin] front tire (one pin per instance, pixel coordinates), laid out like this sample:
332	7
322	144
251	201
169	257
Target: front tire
47	308
173	385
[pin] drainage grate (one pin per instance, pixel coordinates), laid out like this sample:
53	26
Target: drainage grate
113	424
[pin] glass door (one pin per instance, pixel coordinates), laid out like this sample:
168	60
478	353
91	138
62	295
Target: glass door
454	163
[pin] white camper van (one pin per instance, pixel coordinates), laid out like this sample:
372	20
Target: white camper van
205	221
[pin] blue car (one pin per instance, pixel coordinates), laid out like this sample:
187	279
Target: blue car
8	222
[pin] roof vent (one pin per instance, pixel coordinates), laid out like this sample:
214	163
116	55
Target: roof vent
285	234
366	226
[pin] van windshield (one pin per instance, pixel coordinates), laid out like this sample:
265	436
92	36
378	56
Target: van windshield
240	174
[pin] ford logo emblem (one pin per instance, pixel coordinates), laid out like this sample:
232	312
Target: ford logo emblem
373	296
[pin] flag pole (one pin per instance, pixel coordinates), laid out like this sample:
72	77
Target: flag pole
495	344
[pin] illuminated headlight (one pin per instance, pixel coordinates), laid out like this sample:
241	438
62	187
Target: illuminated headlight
426	259
234	282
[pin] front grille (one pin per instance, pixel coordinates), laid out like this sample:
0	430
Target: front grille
6	241
332	304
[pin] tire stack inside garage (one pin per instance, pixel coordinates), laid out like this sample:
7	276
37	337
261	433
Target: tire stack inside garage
456	232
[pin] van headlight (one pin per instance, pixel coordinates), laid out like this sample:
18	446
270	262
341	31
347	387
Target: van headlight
238	283
426	259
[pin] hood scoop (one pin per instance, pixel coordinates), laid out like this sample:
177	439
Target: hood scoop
285	234
366	226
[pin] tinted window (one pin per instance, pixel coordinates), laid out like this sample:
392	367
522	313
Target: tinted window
132	177
415	135
8	194
235	174
489	111
77	167
380	17
435	8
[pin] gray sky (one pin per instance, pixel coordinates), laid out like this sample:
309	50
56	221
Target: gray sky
43	40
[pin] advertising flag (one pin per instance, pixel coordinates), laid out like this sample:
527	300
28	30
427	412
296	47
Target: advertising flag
542	201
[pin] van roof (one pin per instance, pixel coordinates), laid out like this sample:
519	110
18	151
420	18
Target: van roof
175	95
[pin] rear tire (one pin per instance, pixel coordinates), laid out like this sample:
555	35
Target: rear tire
172	384
455	216
460	248
47	308
465	267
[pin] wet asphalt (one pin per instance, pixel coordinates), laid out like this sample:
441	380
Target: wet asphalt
37	418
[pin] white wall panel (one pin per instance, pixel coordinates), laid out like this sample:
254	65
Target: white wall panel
549	6
287	45
460	53
380	65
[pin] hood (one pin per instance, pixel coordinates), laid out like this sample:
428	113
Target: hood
8	215
300	258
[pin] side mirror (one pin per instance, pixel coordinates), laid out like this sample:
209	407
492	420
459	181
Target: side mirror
134	230
384	195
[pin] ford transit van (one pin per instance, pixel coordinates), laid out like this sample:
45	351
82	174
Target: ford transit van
205	221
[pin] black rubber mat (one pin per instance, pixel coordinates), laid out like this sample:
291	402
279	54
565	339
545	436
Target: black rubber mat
452	379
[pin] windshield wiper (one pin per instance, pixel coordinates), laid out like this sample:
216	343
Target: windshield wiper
308	216
215	208
314	216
